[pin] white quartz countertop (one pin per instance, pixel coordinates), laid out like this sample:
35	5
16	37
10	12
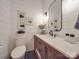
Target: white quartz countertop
69	50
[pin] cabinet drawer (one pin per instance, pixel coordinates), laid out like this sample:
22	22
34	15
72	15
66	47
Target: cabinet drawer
39	44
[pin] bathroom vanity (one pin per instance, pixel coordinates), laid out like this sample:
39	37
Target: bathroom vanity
54	48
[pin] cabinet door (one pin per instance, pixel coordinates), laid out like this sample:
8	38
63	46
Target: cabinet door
49	52
42	54
54	54
59	55
77	57
39	45
50	55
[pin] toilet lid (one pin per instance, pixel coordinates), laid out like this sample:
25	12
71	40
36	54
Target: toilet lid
18	52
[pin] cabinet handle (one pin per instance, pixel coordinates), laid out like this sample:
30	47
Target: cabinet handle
40	43
46	49
46	53
39	50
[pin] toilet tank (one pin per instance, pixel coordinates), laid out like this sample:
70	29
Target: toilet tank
21	39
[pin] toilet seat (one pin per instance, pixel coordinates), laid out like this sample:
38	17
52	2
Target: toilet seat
18	52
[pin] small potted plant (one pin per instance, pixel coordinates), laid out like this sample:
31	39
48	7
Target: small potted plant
42	27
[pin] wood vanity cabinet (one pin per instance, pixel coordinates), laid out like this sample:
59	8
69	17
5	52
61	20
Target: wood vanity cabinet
46	51
54	54
77	57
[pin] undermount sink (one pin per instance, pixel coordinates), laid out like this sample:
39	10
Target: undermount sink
71	40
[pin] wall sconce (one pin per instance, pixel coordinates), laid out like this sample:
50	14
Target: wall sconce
45	17
45	13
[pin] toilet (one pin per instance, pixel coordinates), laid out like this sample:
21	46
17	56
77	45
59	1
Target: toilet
19	51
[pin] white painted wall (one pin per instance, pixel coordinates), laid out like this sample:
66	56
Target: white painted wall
32	8
4	28
46	4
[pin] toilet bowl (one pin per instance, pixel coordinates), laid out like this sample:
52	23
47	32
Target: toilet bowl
20	49
18	52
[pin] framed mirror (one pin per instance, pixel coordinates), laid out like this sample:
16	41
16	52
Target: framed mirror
55	15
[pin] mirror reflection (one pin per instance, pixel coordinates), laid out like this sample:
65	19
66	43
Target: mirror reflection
55	15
